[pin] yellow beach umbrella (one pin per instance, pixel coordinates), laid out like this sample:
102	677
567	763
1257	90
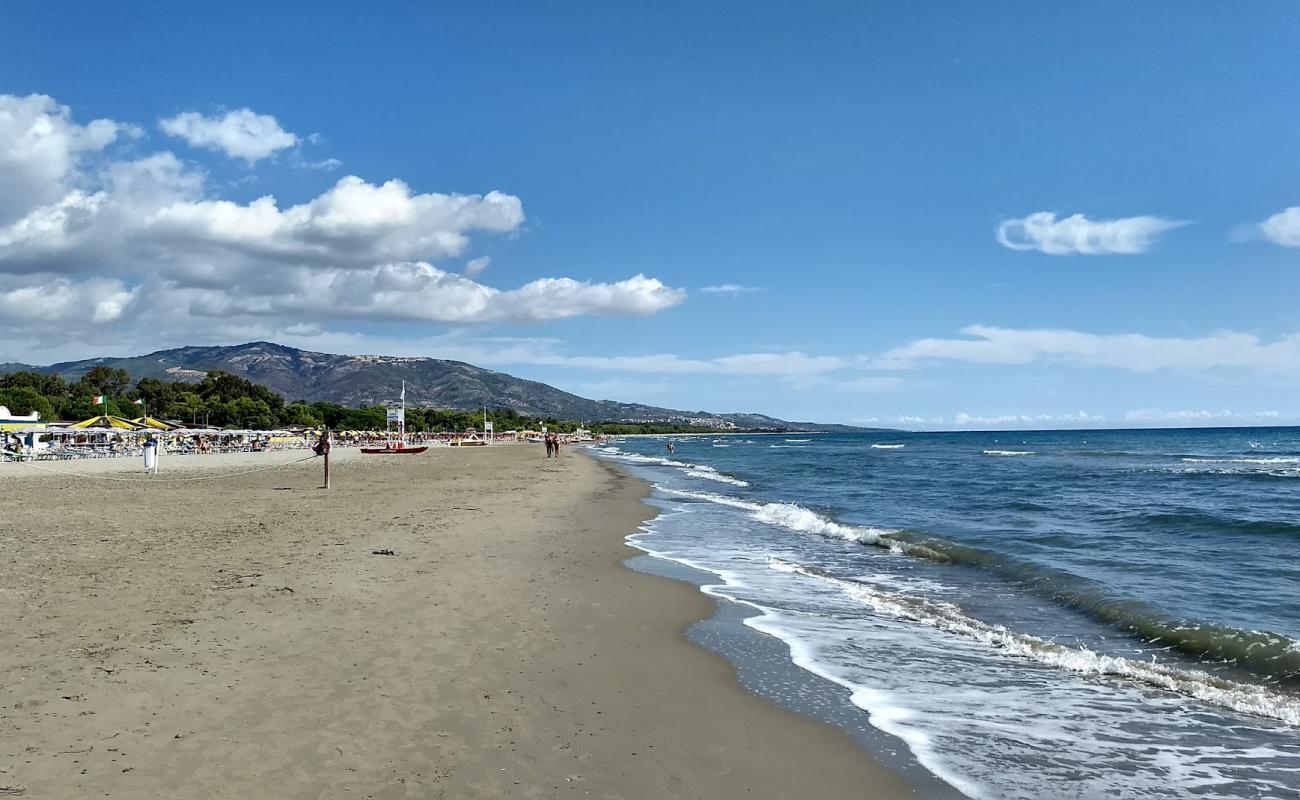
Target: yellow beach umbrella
150	422
106	421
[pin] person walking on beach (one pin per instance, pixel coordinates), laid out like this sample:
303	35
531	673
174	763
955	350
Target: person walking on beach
550	445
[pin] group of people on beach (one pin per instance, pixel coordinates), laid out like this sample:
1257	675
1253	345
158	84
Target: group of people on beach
552	445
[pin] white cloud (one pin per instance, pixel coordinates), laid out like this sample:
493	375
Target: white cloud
732	289
476	266
791	364
1283	228
89	227
1127	351
1027	420
1078	235
324	165
1221	416
58	300
41	151
623	390
242	133
912	421
421	291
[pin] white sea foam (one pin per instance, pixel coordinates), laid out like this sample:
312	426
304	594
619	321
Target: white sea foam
966	712
888	446
802	520
1268	462
884	711
1007	453
694	470
714	475
947	617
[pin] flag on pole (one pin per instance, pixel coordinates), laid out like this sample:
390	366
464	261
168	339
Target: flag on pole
139	402
101	399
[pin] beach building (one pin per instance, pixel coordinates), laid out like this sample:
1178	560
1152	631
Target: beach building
13	422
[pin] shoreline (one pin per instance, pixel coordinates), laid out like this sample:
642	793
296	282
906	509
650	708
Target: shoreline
238	637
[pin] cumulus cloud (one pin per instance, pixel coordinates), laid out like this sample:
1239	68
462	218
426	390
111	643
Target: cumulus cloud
147	243
1078	235
475	266
42	151
59	300
1283	228
421	291
1127	351
242	133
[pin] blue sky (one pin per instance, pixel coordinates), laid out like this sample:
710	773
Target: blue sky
993	215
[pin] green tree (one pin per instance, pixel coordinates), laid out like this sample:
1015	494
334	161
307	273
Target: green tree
187	407
50	386
103	380
245	412
301	414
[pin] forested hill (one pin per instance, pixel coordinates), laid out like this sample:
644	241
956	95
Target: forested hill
357	381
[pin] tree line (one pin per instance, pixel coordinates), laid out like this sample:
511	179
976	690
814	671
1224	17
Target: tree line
229	401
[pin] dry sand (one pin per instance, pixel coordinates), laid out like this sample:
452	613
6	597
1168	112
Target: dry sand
236	637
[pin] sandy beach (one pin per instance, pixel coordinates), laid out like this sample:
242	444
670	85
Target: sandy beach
245	636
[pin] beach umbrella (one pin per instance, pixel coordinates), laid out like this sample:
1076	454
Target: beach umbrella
106	421
150	422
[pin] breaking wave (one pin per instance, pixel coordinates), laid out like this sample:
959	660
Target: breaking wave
1270	655
949	618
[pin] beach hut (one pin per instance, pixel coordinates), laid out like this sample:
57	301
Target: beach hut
106	421
14	422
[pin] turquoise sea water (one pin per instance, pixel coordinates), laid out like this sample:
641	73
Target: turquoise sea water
1042	614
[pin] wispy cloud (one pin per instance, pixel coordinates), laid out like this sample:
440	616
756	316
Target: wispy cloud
1126	351
324	165
732	289
912	421
1026	420
1078	235
1220	416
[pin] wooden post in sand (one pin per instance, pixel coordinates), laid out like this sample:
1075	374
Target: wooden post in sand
326	453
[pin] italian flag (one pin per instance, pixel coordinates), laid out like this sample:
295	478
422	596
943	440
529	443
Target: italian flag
101	399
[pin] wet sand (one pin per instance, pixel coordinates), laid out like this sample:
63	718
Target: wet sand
236	637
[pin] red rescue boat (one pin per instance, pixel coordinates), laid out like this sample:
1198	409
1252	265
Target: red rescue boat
397	449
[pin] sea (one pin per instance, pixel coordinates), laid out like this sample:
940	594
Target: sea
1063	614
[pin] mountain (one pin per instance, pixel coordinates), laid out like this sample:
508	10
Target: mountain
377	380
